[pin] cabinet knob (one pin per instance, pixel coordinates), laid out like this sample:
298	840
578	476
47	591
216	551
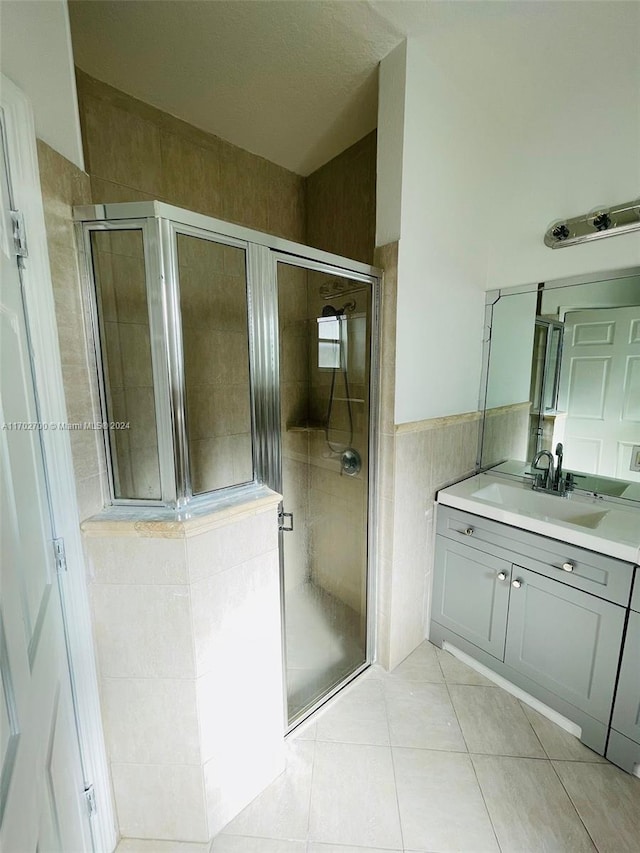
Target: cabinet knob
568	567
468	531
502	576
517	583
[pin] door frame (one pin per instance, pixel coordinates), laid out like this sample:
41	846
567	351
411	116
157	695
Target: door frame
47	370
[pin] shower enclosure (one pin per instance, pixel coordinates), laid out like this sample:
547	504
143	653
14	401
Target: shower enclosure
230	359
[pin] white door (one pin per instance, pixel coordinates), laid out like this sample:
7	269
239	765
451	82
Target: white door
43	806
600	390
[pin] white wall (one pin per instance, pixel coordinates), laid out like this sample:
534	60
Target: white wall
516	114
391	90
36	54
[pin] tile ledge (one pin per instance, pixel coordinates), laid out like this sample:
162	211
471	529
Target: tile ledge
437	423
159	523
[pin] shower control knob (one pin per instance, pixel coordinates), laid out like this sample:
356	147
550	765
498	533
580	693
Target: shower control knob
502	576
517	583
568	567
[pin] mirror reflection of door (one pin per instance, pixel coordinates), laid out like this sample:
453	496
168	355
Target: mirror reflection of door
546	423
600	390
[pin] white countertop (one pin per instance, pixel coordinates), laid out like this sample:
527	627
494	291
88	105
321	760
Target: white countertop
598	524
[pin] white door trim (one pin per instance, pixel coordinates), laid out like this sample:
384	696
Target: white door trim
22	152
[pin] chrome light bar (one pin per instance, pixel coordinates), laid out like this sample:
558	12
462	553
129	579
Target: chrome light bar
603	222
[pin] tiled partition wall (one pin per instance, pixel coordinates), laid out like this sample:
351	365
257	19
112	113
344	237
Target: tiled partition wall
187	627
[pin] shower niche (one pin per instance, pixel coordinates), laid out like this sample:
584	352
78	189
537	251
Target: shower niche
230	360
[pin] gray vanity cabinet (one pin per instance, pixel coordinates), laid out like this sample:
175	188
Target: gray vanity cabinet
547	616
565	640
624	739
471	594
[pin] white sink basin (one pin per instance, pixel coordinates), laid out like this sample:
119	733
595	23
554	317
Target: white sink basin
540	505
598	524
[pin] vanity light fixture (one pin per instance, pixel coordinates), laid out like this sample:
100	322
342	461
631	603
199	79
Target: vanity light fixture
603	222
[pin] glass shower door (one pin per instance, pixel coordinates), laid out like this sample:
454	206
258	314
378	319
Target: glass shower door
324	355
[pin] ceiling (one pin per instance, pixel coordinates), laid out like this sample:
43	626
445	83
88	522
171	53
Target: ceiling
294	81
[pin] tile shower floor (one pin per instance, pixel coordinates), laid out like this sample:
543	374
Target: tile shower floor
433	757
324	644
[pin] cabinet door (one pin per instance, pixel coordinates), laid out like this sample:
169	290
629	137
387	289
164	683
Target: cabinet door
565	640
471	594
626	711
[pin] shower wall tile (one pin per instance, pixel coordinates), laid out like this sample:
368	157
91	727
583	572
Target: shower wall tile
234	611
143	631
231	545
64	185
341	198
137	560
190	174
155	802
134	151
119	146
151	720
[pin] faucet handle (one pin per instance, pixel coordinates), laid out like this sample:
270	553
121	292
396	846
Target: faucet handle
559	449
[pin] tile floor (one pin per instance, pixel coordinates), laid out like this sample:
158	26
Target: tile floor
433	758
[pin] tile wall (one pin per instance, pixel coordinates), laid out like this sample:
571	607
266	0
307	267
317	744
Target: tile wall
135	152
341	202
64	185
186	748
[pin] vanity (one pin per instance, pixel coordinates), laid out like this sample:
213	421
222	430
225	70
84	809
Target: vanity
545	592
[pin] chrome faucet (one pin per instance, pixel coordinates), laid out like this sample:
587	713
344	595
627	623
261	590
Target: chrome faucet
550	478
544	480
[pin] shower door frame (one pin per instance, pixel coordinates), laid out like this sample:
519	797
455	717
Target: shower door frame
269	439
160	223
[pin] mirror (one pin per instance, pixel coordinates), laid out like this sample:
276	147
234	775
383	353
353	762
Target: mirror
563	365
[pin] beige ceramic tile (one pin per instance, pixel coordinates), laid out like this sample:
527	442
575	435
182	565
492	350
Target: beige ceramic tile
558	743
608	802
420	665
493	722
139	560
126	619
441	806
129	154
456	672
282	810
139	845
422	716
353	796
157	800
150	720
528	806
359	716
245	844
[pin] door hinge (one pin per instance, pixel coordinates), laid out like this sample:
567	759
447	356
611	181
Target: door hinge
60	554
90	796
19	234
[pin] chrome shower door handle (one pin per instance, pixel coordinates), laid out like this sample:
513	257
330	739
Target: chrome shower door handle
282	524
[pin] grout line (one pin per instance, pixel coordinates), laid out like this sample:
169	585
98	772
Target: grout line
575	808
313	766
393	762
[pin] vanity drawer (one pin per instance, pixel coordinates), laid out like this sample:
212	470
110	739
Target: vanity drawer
595	573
